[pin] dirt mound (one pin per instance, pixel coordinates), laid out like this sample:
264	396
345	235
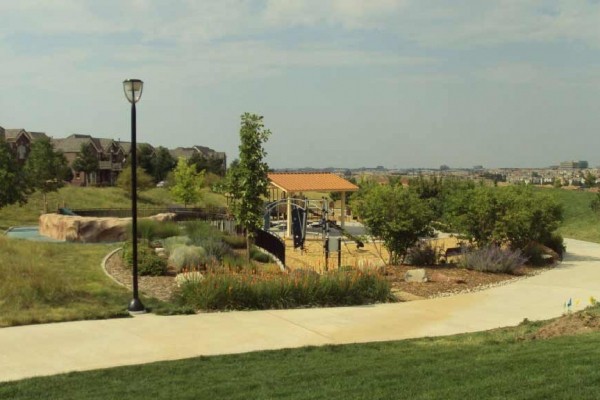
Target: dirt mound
571	324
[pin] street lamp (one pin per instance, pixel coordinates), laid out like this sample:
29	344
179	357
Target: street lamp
133	92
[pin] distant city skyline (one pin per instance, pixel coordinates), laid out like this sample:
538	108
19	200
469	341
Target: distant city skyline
341	83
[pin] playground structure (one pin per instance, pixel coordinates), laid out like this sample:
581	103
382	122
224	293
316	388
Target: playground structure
292	215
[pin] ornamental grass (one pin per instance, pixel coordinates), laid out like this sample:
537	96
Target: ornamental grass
245	291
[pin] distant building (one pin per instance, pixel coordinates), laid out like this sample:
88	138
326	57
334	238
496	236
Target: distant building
574	165
216	158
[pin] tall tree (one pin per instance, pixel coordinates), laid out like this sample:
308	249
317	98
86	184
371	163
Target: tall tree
187	183
251	177
86	162
210	164
163	163
145	156
46	168
14	186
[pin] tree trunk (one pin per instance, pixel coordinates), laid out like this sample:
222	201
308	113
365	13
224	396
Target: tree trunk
248	246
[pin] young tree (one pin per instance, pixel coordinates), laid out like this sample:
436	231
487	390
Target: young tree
144	181
46	168
86	162
187	183
395	215
250	180
14	186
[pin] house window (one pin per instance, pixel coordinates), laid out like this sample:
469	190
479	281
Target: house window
21	152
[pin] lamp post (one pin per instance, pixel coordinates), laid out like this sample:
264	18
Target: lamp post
133	92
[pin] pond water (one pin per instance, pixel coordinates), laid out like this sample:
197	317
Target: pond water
29	233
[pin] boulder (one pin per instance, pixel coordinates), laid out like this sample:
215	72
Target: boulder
415	275
73	228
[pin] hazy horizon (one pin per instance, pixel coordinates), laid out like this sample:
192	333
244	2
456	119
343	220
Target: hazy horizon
349	83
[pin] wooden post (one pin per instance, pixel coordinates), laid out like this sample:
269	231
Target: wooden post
343	211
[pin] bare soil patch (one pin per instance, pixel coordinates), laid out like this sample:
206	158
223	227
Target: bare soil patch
571	324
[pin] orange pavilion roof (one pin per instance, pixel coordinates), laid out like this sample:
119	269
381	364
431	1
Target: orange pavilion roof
311	182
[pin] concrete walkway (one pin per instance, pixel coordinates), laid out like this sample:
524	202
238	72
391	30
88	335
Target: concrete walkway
76	346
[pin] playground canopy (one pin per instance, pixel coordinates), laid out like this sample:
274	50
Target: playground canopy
296	182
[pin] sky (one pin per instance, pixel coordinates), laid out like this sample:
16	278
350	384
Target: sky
340	83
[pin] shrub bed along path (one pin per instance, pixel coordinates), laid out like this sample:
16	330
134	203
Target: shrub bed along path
160	287
443	280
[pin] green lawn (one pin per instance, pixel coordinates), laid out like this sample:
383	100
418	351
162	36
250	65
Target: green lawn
498	364
91	197
49	282
580	221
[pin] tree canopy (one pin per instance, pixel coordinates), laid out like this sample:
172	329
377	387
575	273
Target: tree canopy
86	162
395	215
143	180
187	183
14	186
46	169
514	215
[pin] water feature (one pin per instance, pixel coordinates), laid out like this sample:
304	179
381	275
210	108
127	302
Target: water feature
29	233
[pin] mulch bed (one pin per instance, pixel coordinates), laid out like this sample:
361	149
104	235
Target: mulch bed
442	280
448	280
160	287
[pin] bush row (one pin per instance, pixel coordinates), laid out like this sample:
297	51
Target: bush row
219	291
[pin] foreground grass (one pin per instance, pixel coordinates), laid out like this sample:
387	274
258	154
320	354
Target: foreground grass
49	282
498	364
91	197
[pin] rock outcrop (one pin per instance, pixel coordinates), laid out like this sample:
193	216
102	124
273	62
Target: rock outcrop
89	229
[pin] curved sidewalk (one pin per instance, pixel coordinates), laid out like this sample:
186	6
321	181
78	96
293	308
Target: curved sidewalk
76	346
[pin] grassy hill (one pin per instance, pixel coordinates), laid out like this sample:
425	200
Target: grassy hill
580	221
91	197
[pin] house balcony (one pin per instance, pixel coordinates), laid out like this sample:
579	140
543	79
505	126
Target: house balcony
104	165
109	165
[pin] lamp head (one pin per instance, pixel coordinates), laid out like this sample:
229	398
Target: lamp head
133	89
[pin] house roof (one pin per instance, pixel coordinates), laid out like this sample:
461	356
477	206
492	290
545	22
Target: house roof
72	143
313	182
12	135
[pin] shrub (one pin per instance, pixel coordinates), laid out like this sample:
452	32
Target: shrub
535	254
215	248
258	255
199	231
492	259
148	262
171	243
235	242
556	242
151	230
226	291
233	262
187	257
424	253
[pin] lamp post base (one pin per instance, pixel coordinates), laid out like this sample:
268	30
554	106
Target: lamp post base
136	306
